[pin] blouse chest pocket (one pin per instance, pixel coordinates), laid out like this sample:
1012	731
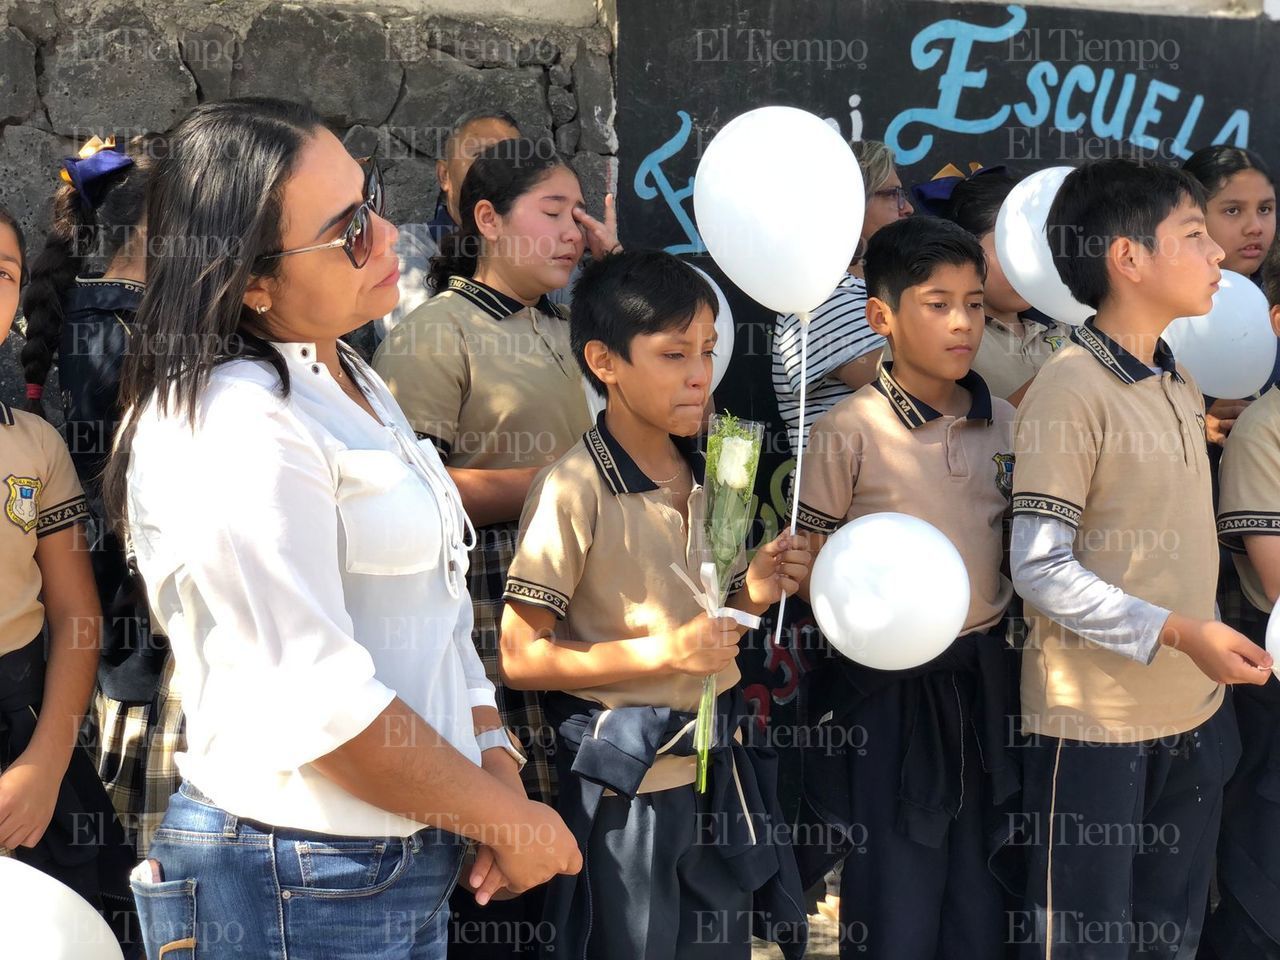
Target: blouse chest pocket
390	517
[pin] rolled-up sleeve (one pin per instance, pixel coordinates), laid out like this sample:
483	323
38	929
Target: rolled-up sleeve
259	589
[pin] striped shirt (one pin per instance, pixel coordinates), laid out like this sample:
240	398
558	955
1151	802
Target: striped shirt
838	333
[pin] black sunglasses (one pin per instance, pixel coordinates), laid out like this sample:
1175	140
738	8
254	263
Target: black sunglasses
357	239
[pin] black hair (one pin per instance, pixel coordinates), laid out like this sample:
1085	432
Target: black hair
216	193
905	254
9	220
1271	281
475	116
633	293
502	173
1102	201
975	202
1214	166
79	239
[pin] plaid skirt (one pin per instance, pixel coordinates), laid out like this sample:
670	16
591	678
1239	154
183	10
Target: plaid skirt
135	748
521	710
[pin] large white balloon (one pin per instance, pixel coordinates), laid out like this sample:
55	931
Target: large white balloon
724	332
1231	349
46	920
1023	247
890	591
779	202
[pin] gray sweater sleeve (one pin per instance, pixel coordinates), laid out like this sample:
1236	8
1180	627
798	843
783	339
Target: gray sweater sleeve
1048	576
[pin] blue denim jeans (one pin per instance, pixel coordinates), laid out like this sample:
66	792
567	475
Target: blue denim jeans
237	888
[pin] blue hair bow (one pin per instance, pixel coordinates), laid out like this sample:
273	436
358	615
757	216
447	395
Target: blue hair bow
88	171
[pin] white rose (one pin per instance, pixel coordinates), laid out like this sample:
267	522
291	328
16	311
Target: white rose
735	457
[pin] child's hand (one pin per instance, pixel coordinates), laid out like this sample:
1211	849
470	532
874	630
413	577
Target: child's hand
1221	417
1222	654
485	878
777	569
703	647
28	792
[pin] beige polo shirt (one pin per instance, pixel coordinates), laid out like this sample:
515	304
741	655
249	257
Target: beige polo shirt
1008	358
883	450
1249	488
492	382
597	541
1118	452
41	496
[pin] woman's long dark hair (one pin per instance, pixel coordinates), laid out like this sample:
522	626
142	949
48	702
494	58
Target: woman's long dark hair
76	237
214	208
1214	166
502	173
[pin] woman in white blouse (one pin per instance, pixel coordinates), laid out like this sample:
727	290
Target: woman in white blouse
306	557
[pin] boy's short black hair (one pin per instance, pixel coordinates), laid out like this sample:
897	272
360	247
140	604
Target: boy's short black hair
906	252
1271	280
1102	201
631	293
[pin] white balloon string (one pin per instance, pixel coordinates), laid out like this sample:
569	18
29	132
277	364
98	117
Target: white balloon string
800	434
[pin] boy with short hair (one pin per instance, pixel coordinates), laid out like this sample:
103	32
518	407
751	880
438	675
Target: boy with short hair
1244	924
912	763
596	614
1114	552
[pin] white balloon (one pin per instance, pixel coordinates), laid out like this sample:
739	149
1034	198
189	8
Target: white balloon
890	591
724	332
1231	349
1273	638
595	402
1022	247
45	920
779	202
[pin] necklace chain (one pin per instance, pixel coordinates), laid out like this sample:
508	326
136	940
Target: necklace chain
671	479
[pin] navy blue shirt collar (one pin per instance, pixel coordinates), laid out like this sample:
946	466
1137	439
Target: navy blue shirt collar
916	413
621	472
89	294
498	305
1127	367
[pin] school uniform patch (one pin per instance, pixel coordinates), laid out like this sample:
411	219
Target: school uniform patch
1004	473
1055	343
22	506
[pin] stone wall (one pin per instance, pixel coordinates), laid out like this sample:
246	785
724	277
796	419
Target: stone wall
387	78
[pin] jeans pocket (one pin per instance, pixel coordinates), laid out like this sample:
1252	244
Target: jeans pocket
167	914
443	855
334	867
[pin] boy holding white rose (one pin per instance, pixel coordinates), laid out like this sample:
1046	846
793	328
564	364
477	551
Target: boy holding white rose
911	764
599	613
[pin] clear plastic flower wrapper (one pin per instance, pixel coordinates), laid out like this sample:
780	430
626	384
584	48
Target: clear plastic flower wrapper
733	454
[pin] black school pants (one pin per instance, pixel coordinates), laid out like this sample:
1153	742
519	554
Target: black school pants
1122	840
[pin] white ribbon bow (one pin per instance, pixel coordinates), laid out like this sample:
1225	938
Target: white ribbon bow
706	596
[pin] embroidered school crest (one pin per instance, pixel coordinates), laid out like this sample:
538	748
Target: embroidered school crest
1055	343
1004	473
21	507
